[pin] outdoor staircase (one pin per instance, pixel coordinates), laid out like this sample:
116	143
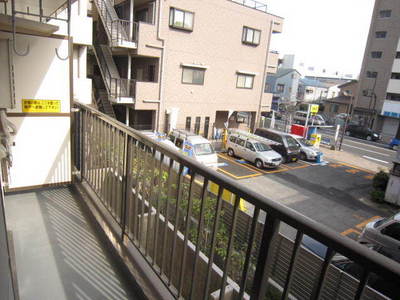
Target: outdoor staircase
101	98
117	29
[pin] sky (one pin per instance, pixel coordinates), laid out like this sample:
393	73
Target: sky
323	33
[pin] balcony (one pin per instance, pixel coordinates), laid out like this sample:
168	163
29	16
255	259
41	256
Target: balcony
178	226
394	86
391	109
273	61
252	4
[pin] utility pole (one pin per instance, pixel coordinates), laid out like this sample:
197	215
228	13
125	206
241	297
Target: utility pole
346	122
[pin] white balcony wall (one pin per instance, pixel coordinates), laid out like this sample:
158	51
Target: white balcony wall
394	86
396	66
81	24
82	84
41	154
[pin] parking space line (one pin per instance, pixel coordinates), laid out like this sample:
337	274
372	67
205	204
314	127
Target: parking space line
369	177
353	171
354	167
239	177
350	230
234	161
362	224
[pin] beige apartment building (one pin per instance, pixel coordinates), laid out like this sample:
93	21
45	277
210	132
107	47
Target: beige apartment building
190	64
378	101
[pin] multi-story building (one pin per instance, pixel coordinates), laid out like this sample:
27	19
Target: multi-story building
378	101
181	64
312	90
283	85
341	102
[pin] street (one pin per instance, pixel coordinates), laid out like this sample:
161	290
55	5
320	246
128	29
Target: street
374	151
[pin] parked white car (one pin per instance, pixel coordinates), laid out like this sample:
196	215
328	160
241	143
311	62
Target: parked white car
252	150
384	233
307	150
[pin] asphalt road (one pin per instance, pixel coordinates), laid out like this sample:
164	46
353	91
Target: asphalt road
334	194
376	152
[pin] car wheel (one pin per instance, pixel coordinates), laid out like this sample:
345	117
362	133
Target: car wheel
259	164
303	156
347	133
369	138
231	152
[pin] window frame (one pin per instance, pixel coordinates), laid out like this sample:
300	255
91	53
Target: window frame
376	54
280	88
385	13
172	24
381	34
246	76
372	74
196	69
244	36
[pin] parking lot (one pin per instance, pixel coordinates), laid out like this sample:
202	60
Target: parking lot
333	193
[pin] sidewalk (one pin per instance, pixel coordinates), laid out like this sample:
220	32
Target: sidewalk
353	160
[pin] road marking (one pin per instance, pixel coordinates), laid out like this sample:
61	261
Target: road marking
354	167
370	177
371	158
235	162
254	169
353	171
335	165
362	224
383	154
350	230
239	177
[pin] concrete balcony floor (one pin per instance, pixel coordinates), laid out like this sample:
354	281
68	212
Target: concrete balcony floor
59	254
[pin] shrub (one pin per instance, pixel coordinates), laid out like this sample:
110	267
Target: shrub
378	196
380	181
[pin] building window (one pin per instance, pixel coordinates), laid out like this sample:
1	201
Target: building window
397	54
197	125
181	19
245	81
371	74
380	34
395	76
188	123
193	75
385	13
251	36
393	96
206	126
376	54
280	88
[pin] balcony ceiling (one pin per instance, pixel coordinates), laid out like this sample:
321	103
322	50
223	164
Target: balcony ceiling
27	26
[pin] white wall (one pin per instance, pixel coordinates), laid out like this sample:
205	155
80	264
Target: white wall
42	145
394	86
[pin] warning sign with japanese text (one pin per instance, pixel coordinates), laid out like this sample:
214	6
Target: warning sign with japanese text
41	106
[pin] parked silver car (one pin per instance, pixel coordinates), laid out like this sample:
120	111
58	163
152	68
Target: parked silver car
307	150
252	150
384	233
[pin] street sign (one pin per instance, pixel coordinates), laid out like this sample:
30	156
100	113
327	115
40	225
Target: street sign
314	109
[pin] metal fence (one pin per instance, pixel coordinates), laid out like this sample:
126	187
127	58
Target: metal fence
170	208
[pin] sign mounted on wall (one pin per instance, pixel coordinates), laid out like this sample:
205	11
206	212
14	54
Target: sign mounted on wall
41	106
314	109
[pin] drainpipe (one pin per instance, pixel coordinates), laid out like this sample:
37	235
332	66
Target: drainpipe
258	118
162	63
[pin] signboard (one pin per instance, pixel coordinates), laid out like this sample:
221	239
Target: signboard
314	109
41	106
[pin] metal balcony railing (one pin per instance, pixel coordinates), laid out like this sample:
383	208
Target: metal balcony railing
186	220
118	30
252	4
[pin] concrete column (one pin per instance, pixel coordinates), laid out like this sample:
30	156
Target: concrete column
127	110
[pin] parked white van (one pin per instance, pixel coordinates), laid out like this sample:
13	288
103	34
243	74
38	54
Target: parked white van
194	146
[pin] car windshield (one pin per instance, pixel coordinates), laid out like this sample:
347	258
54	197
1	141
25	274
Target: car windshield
382	221
304	142
261	147
203	149
292	143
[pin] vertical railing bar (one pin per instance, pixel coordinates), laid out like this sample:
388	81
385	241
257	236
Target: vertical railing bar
115	173
87	148
149	201
186	234
166	215
135	217
121	148
317	289
142	196
97	139
82	141
126	182
230	245
260	283
361	285
199	230
104	156
249	250
156	223
109	167
178	200
90	153
289	276
213	241
103	160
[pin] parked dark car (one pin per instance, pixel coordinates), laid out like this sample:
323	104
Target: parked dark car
362	132
387	288
284	144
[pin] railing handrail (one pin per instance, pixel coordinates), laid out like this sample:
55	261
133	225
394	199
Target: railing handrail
257	5
375	262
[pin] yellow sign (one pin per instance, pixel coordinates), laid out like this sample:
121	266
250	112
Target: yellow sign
41	106
314	109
